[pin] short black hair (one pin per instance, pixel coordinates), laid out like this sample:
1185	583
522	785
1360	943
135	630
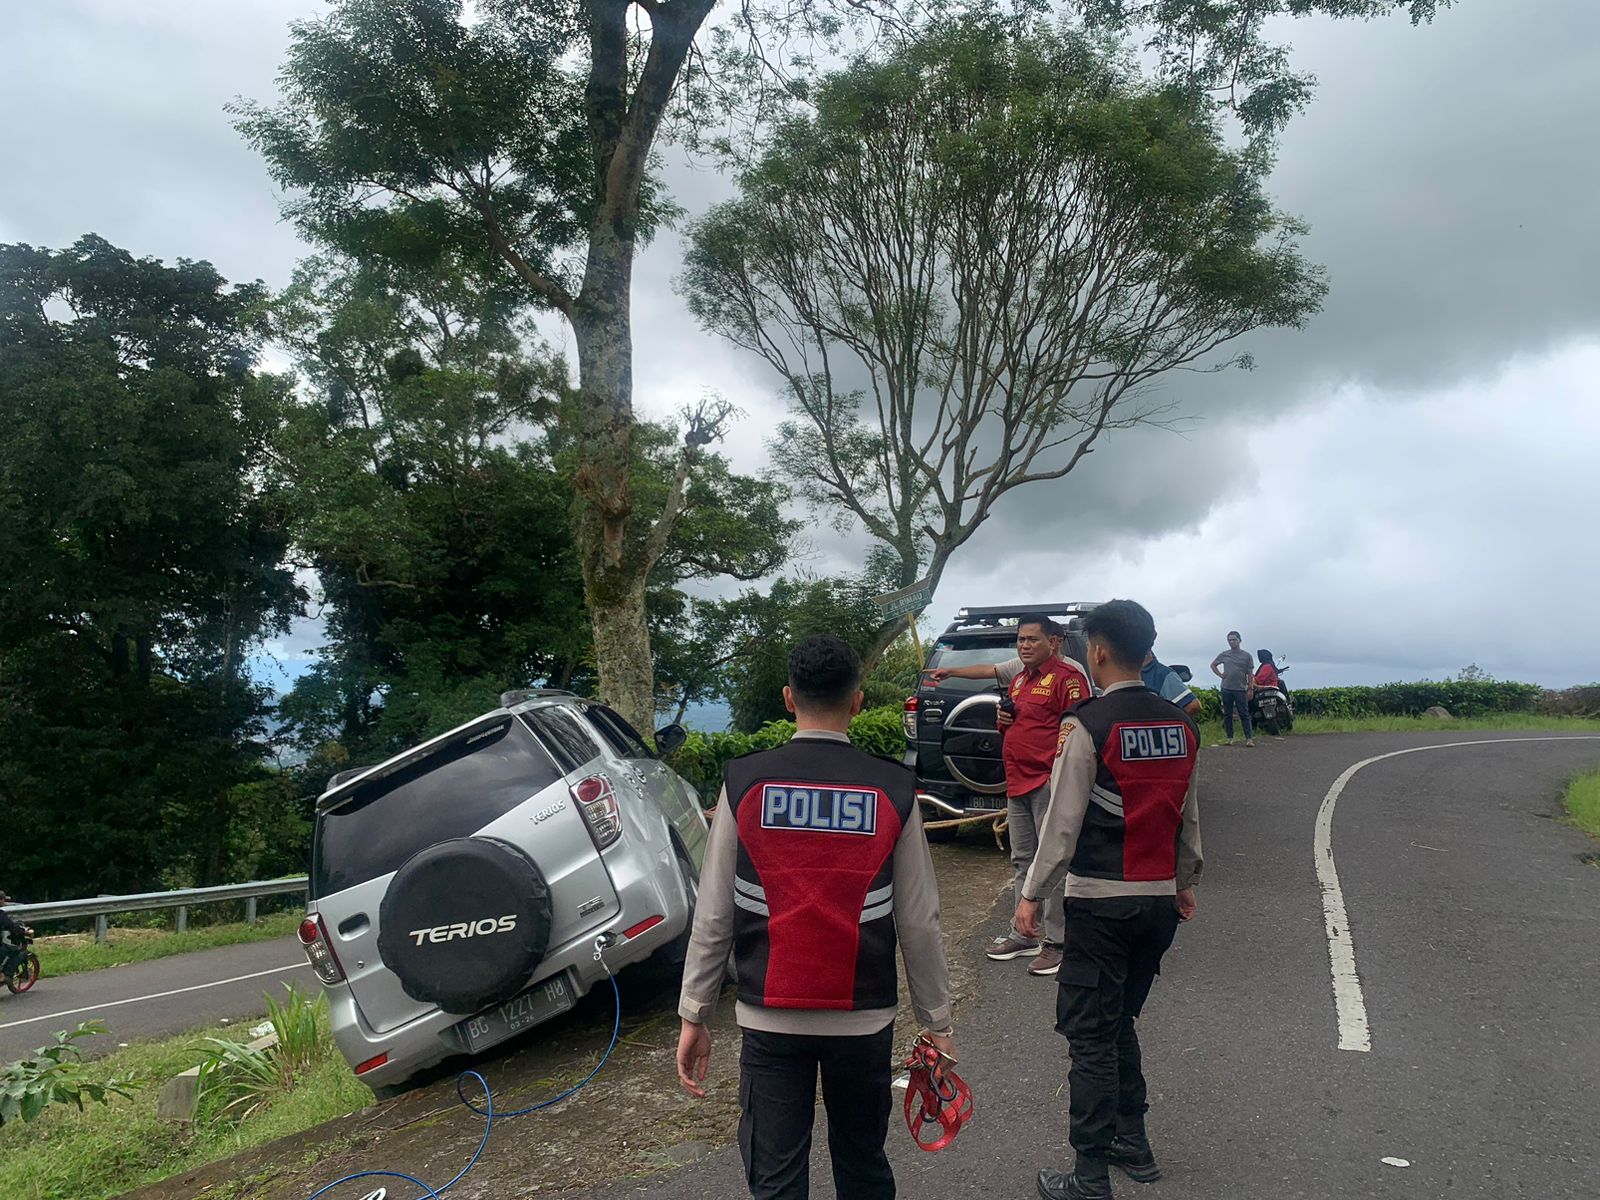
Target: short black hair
1050	628
824	672
1236	633
1125	627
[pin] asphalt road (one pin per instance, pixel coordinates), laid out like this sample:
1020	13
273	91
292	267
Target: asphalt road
151	999
1476	931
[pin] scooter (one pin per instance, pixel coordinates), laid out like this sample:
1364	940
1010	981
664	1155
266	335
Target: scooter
25	973
1271	708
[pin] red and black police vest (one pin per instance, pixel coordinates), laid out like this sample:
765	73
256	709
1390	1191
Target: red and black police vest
1145	750
813	920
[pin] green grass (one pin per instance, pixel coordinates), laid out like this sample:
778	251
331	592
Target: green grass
72	953
1211	731
1583	802
104	1152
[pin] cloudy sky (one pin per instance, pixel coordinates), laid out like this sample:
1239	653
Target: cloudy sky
1407	486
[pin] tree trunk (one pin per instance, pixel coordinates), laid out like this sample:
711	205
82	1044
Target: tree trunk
613	553
889	631
622	653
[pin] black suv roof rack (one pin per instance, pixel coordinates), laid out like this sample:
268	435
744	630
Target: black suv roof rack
979	618
1061	608
518	695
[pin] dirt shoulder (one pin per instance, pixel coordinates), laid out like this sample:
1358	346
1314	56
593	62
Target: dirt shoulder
649	1124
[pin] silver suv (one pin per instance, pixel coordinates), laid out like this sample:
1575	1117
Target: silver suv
458	889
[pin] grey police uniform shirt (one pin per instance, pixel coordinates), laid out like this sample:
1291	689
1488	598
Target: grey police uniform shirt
916	923
1237	668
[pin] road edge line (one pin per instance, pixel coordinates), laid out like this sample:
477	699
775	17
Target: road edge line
1349	1001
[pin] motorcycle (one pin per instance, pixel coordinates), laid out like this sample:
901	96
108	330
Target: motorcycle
23	972
1272	708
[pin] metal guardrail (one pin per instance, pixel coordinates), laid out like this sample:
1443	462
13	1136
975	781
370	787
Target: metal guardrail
102	907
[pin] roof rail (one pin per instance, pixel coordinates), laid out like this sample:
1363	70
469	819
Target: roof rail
518	695
993	615
344	776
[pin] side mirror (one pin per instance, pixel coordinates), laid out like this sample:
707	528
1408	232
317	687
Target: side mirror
670	737
1181	671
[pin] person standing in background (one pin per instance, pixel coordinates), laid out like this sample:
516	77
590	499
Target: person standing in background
1234	667
1042	686
1168	684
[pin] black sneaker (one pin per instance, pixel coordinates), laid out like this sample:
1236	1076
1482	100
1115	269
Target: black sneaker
1135	1159
1058	1185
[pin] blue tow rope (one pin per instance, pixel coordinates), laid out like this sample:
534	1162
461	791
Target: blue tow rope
488	1114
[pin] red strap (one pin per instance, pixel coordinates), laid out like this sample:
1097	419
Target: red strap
945	1103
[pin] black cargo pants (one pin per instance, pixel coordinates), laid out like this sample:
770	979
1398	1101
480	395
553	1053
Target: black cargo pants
1113	955
778	1097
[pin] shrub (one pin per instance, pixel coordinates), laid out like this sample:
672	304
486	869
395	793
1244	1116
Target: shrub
702	757
1581	701
54	1075
1461	697
238	1080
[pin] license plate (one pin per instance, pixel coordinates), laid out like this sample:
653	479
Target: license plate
523	1011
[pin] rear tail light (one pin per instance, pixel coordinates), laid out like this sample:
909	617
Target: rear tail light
908	719
314	941
372	1064
598	804
647	923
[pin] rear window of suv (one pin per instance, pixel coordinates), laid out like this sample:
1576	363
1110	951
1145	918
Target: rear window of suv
947	654
451	793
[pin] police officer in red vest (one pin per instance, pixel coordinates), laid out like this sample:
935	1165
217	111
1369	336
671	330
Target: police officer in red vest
816	868
1123	829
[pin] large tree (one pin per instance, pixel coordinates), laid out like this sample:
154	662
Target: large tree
975	257
141	545
430	486
528	131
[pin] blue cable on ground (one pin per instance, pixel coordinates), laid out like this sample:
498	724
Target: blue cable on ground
489	1115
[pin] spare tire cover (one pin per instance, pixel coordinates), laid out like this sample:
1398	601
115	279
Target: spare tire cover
971	744
464	923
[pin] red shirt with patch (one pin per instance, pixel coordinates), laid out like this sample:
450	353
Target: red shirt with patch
1042	696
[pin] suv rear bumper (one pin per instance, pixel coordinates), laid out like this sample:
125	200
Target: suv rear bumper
643	890
941	797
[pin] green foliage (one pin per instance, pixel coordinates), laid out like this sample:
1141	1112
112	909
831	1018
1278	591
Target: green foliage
128	945
702	758
738	648
143	551
433	495
522	136
237	1081
111	1150
1461	698
1583	802
55	1074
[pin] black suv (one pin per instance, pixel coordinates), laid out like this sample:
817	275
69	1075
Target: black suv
952	742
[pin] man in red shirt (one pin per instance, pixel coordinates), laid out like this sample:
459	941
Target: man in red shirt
1042	686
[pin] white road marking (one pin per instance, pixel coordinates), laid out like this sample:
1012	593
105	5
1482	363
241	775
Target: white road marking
1348	1000
199	987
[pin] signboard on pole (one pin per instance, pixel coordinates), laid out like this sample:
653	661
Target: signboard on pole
906	601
